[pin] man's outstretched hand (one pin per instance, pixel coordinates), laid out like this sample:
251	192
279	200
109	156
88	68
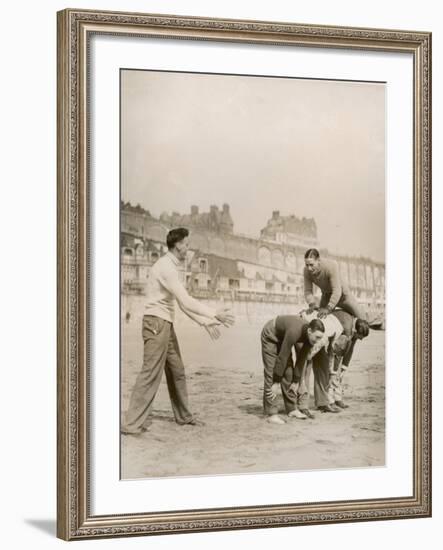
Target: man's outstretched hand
213	331
225	316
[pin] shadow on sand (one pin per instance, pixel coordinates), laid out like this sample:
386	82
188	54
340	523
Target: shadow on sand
254	409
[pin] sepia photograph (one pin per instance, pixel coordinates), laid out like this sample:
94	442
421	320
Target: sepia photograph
252	274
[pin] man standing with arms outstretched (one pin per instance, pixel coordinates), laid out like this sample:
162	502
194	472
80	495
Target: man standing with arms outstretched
161	349
334	293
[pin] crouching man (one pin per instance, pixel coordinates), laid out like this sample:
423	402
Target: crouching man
279	336
318	359
354	330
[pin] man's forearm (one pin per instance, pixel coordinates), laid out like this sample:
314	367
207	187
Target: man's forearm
300	362
282	362
191	305
336	290
331	362
279	370
349	351
202	320
186	302
335	297
308	288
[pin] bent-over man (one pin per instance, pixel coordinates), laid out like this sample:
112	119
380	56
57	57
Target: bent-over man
354	330
342	330
279	336
161	349
318	359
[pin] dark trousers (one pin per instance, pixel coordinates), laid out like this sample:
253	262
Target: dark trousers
347	302
320	368
161	352
270	348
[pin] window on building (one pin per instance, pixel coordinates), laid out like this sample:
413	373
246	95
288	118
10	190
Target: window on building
234	283
203	265
154	256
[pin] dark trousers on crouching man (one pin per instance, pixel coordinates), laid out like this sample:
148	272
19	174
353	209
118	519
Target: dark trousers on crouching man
270	349
161	352
319	367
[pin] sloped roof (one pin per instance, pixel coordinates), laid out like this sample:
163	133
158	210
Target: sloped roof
220	267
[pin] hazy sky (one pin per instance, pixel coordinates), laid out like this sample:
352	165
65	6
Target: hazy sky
305	147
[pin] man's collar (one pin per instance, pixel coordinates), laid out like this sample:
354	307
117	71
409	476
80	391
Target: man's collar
173	258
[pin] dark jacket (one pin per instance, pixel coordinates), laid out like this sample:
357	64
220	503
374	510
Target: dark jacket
290	330
347	320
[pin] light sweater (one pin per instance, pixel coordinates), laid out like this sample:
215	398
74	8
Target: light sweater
333	329
328	280
164	288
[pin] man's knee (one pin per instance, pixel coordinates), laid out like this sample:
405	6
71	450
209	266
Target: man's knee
177	369
350	304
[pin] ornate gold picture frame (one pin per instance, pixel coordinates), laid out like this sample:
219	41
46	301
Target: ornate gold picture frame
76	28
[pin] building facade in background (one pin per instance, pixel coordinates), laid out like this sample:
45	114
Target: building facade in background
221	263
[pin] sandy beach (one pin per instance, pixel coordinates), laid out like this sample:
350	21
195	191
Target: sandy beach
225	384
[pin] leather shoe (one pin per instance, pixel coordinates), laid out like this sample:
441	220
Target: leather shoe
328	409
275	419
307	413
195	422
297	414
341	405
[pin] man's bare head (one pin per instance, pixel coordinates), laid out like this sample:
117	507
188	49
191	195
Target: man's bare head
312	260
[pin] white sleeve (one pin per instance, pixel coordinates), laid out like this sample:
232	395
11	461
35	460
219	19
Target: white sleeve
189	305
199	319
